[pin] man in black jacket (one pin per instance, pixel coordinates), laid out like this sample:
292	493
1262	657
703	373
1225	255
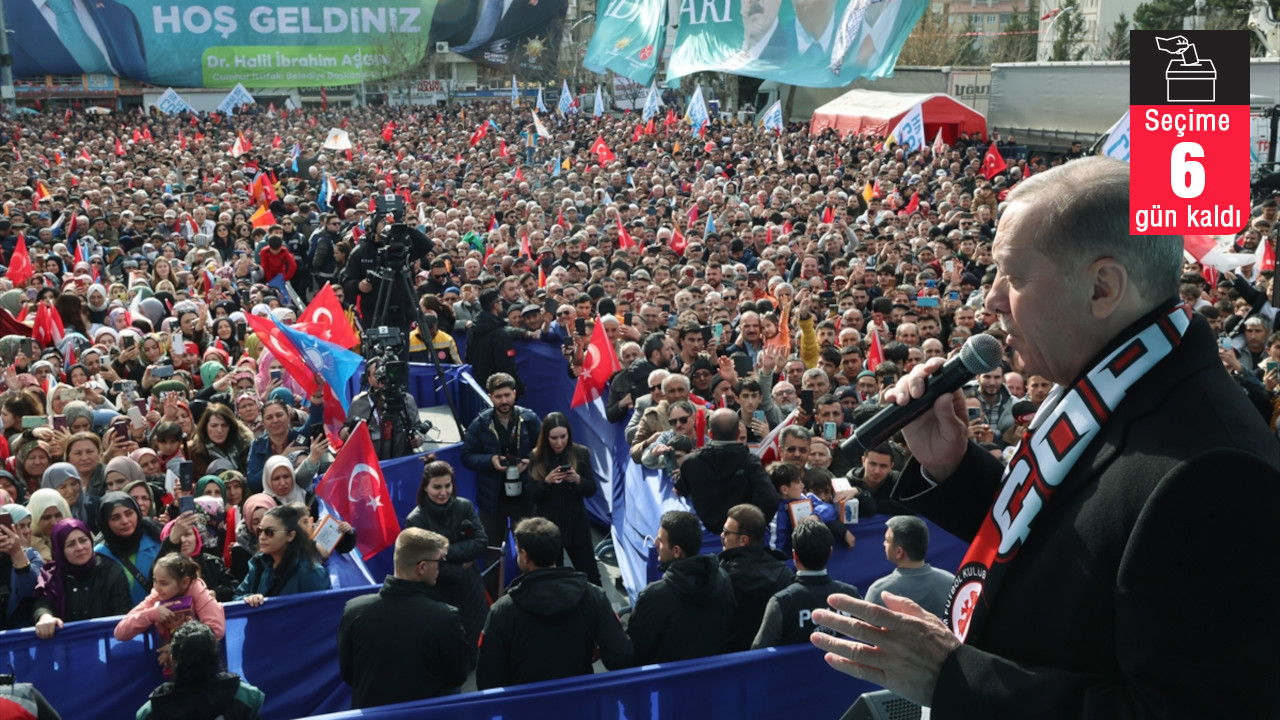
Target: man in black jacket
1066	605
358	279
725	473
788	617
401	644
687	613
551	622
755	571
634	381
489	346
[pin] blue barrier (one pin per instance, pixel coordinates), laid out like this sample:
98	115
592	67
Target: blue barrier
288	647
777	682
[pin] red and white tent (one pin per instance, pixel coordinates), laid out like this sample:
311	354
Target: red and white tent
873	111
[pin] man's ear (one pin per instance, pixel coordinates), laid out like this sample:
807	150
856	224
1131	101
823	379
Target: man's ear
1109	283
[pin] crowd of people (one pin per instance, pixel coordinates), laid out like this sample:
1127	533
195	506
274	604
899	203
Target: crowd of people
762	291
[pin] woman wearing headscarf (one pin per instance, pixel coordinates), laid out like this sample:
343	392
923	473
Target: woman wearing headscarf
130	539
20	564
83	506
121	471
97	302
31	460
17	491
224	334
47	507
145	494
77	584
278	482
255	507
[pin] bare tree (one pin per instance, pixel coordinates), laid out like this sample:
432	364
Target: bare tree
400	62
1017	41
934	41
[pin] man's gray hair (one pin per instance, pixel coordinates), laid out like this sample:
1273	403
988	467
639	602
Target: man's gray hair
1082	214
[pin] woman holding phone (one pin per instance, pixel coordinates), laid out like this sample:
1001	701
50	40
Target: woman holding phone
563	479
440	510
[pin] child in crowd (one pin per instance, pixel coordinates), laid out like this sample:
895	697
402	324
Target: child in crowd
178	595
796	506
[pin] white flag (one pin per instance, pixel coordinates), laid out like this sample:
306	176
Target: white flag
910	131
652	103
540	128
337	140
599	109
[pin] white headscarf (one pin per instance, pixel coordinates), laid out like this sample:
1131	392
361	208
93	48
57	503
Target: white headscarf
295	494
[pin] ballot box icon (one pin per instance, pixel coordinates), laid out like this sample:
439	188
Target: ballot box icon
1188	78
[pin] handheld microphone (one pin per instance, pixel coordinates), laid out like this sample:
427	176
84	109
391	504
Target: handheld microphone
981	354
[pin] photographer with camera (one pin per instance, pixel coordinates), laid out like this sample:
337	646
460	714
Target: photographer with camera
385	254
497	447
374	406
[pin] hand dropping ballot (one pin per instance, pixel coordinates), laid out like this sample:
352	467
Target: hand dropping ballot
1188	140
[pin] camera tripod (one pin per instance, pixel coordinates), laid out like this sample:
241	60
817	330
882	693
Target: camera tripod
385	314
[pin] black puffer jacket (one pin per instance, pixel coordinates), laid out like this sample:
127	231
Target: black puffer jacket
721	475
687	614
550	625
756	573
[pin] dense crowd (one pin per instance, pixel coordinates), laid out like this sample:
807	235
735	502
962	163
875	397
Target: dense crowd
158	451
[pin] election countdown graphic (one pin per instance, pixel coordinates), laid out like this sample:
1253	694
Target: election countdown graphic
1189	129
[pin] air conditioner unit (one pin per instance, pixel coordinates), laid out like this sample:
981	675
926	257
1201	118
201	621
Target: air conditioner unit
442	48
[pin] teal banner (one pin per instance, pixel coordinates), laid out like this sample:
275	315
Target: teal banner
194	44
628	39
811	43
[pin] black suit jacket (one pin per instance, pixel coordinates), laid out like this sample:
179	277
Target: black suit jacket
1133	595
37	50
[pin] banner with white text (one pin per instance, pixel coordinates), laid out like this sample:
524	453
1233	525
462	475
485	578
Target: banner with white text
197	44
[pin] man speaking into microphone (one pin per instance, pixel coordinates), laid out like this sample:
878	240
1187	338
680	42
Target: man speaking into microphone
1100	581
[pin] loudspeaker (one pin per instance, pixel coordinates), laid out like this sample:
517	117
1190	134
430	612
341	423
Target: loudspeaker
883	705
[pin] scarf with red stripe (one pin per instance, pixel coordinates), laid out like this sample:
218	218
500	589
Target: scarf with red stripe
1066	424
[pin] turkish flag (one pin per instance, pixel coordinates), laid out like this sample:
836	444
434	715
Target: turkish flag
324	318
828	215
119	147
48	329
273	339
1266	256
678	242
355	488
875	353
914	204
275	141
502	149
20	270
602	151
624	237
388	131
599	363
992	163
479	134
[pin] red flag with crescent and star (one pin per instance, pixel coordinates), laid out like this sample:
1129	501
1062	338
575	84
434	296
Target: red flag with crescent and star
356	489
324	318
599	363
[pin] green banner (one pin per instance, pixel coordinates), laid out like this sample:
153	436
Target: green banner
628	39
219	45
811	43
